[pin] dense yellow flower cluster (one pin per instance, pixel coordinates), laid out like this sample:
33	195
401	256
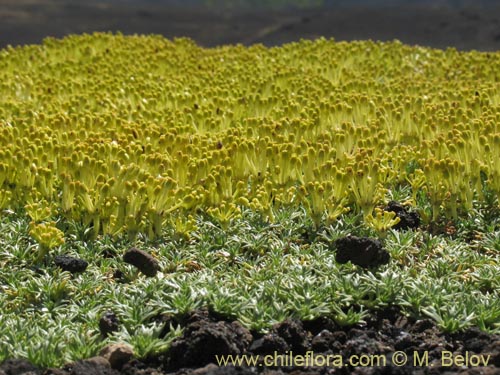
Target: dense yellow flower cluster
127	133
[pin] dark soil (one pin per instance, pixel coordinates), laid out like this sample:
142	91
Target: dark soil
17	366
387	334
362	251
464	24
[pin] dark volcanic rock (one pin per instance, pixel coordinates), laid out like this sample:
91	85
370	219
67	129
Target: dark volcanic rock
207	334
212	369
293	332
268	344
494	349
204	338
407	220
362	251
108	323
70	264
423	325
319	324
18	367
52	371
91	366
142	260
328	341
477	341
473	339
361	341
288	335
117	354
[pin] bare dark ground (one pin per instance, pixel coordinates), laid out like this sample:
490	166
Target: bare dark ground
472	25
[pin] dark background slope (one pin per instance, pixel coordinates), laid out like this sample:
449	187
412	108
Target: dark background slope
440	23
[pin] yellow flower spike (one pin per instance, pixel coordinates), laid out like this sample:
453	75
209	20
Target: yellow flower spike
38	211
334	210
3	170
190	201
183	226
5	198
417	180
225	213
382	221
243	201
47	236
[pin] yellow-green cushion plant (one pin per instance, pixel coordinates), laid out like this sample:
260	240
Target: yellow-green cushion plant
128	134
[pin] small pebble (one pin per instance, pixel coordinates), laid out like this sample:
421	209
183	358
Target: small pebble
117	354
142	260
108	323
71	264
